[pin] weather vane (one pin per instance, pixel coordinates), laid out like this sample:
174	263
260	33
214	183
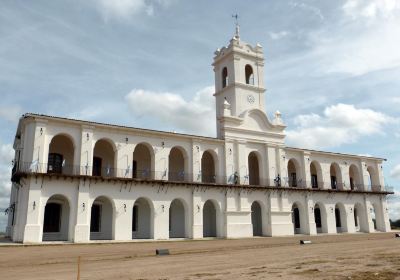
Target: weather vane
236	17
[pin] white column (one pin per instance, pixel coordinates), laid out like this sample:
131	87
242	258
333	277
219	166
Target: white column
83	213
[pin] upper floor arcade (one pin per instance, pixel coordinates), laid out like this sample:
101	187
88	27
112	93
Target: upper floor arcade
54	145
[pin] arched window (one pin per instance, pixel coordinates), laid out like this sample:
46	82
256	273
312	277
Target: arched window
293	173
249	75
254	172
316	174
208	168
103	159
61	155
354	177
336	176
224	77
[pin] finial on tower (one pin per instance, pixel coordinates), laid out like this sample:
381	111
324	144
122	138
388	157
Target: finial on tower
236	17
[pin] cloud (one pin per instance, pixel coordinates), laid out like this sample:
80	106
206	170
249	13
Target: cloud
394	206
339	124
365	39
10	113
371	9
314	10
6	155
278	35
124	9
193	116
395	172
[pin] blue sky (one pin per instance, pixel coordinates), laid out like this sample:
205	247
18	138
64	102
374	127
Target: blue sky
332	68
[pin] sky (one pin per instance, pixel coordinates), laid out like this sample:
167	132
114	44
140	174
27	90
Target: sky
332	68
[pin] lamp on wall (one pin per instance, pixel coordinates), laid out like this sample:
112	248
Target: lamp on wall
198	208
163	144
126	140
124	207
34	205
41	131
87	136
163	207
83	206
230	151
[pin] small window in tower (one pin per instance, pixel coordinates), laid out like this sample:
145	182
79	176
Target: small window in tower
249	75
224	77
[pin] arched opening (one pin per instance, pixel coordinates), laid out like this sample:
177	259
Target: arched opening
316	174
256	218
320	218
360	218
354	177
56	219
208	168
292	173
209	219
336	177
249	75
373	182
373	217
101	219
142	162
224	77
340	218
254	169
176	165
177	219
103	159
61	155
296	219
142	219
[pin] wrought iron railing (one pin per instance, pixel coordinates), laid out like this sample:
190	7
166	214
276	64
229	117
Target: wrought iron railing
181	176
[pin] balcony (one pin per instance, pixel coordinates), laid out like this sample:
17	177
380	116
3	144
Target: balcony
23	169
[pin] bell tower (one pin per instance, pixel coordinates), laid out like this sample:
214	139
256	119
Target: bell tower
239	83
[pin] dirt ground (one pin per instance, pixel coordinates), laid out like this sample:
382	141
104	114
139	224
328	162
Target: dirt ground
345	256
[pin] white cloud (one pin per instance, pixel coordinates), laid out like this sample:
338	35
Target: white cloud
394	206
371	9
278	35
339	124
193	116
128	8
314	10
395	172
365	39
6	155
10	113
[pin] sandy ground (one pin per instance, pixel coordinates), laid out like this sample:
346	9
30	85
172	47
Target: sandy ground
346	256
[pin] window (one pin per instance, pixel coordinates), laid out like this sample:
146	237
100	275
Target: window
317	216
293	180
55	162
96	166
337	216
134	169
52	217
351	183
314	181
249	75
135	218
95	218
224	77
355	217
333	182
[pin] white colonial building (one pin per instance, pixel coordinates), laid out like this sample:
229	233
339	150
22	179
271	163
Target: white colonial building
78	181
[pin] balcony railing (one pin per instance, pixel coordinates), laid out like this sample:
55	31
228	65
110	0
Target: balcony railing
147	174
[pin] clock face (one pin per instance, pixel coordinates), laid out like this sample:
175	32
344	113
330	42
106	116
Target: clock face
250	98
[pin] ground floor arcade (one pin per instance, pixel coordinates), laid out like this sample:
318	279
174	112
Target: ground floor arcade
80	210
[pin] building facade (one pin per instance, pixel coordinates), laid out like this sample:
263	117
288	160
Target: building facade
78	181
